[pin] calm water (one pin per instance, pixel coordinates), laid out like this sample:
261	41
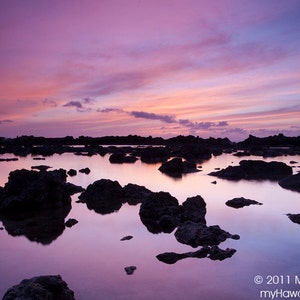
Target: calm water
91	258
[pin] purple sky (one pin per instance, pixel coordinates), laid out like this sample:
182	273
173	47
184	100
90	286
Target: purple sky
156	67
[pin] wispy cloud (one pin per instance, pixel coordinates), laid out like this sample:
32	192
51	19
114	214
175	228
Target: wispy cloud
5	121
170	119
76	104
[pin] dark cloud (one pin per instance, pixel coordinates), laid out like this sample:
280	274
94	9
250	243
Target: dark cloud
88	100
5	121
152	116
108	110
49	102
76	104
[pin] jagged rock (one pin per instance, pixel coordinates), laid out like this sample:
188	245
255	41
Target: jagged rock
104	196
85	171
40	288
9	159
31	190
294	218
130	270
160	212
172	257
176	167
120	157
71	222
154	154
255	169
126	238
72	172
134	194
213	252
35	204
197	234
40	168
219	254
241	202
291	182
194	209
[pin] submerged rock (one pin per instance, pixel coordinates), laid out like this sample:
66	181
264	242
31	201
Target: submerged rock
255	169
241	202
120	158
85	171
291	182
40	288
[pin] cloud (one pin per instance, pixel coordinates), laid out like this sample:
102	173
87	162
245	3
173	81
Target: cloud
108	110
49	102
170	119
76	104
153	116
88	100
5	121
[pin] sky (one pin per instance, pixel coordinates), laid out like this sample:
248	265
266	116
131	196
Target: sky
209	68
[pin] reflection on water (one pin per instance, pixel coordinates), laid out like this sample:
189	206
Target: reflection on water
91	258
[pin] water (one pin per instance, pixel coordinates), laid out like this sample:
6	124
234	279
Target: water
91	258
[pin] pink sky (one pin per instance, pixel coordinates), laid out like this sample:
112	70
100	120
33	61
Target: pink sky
150	67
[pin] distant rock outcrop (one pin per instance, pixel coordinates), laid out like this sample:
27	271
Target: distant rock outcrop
295	218
40	288
255	169
176	167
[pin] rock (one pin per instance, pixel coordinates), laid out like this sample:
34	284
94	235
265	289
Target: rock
293	162
31	190
197	234
40	288
154	154
176	167
104	196
39	158
1	228
130	270
172	258
126	238
40	168
194	209
294	218
9	159
219	254
120	158
241	202
72	172
85	171
160	212
255	169
231	173
134	194
214	182
35	204
71	222
291	182
41	226
213	252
